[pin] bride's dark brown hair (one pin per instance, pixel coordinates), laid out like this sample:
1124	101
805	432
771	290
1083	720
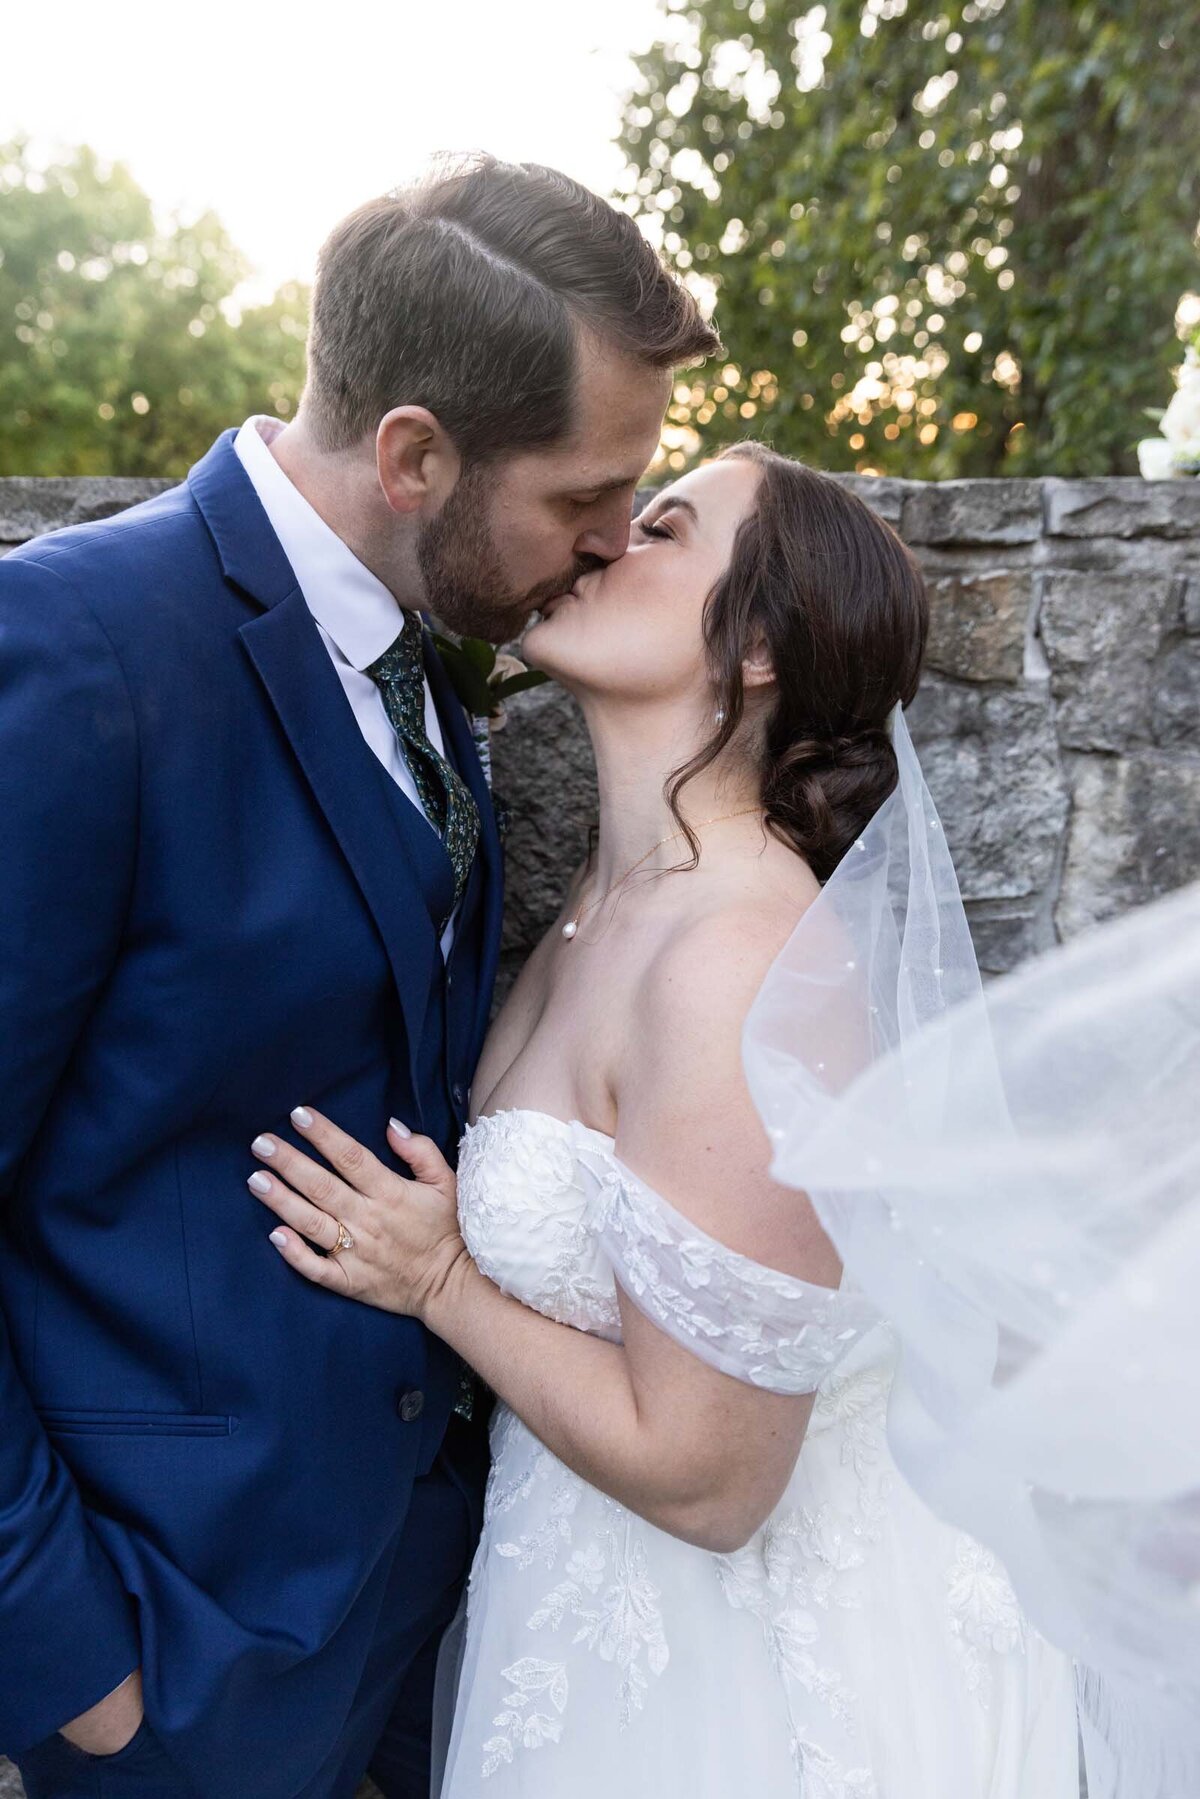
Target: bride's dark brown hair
840	606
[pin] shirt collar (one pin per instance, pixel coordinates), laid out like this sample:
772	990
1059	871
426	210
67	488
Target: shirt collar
349	603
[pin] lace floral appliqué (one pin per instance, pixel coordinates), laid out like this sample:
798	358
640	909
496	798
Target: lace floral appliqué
755	1323
985	1619
524	1217
808	1562
605	1594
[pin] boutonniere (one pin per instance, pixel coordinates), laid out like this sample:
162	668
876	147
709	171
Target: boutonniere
483	678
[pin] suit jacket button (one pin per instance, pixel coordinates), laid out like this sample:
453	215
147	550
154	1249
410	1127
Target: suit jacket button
411	1404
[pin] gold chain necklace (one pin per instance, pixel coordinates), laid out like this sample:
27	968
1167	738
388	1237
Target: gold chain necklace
572	925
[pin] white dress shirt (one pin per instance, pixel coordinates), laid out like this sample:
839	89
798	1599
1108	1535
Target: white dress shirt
356	615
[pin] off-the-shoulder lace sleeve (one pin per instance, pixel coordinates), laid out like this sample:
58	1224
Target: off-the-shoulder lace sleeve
763	1327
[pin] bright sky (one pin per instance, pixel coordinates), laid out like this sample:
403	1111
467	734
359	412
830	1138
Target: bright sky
283	117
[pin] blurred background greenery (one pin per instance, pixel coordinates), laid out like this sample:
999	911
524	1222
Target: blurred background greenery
942	239
120	353
949	239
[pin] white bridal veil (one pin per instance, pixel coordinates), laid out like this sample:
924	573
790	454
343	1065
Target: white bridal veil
1014	1181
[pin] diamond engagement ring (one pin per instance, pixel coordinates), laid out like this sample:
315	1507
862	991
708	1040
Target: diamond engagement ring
344	1239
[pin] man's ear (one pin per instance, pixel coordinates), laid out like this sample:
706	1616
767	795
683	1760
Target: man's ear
416	460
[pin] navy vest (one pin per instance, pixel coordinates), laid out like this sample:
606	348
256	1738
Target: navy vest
443	1049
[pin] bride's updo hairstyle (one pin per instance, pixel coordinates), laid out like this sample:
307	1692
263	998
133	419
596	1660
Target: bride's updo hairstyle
840	605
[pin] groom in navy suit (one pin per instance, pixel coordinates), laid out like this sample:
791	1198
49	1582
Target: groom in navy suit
247	861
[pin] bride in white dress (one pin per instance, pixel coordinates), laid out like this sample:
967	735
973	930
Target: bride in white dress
700	1573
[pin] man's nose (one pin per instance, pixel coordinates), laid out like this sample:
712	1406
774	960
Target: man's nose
607	539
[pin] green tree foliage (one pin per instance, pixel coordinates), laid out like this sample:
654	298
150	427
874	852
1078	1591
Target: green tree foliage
116	356
948	239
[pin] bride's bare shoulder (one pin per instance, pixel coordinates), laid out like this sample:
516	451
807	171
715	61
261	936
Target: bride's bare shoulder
703	975
686	1119
736	934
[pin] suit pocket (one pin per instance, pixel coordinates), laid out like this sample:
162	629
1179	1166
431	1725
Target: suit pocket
58	1423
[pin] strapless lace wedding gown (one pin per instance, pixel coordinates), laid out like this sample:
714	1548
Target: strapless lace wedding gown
856	1648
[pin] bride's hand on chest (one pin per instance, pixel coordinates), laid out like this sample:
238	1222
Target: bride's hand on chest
350	1224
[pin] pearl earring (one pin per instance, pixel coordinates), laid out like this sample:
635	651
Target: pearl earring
719	717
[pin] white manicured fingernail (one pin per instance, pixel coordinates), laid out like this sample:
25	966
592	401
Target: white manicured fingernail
279	1238
259	1183
401	1130
263	1146
302	1118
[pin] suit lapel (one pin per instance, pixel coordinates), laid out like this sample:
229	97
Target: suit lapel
303	687
294	667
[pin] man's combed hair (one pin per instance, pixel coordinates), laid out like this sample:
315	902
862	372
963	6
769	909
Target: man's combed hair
465	294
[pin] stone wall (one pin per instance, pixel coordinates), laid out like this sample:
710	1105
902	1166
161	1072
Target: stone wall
1058	720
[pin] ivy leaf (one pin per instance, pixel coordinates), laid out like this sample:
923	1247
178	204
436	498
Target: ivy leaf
532	677
469	685
478	651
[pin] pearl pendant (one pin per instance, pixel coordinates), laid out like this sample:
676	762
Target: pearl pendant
569	930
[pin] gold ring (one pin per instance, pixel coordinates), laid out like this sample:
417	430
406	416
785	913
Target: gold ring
344	1239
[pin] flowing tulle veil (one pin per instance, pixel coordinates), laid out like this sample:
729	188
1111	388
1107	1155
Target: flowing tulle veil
1014	1180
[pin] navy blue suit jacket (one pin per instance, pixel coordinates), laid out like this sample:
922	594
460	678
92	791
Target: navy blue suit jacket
209	914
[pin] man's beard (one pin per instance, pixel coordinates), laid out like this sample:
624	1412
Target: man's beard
463	574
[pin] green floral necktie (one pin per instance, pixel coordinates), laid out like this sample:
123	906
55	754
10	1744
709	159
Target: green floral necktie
400	676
